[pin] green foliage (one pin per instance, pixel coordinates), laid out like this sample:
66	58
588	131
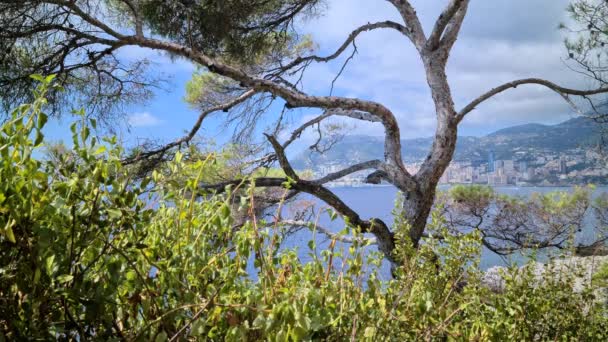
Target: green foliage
478	193
601	277
203	89
240	30
87	253
206	89
559	201
544	309
512	223
474	196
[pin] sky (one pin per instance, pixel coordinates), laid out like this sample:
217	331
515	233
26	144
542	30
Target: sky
501	40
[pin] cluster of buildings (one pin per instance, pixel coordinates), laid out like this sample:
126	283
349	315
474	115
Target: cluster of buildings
525	167
577	166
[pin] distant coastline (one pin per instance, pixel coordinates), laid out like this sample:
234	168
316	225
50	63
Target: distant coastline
447	185
532	155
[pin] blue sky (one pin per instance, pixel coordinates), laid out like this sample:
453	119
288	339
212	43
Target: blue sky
501	40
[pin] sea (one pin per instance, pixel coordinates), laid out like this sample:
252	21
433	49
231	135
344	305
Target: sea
378	201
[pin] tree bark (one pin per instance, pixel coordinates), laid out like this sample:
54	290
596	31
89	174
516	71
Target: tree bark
416	209
417	204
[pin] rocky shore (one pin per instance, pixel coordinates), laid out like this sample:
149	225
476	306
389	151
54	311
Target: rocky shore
582	269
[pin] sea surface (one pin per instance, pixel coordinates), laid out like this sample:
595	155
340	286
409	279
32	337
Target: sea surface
378	201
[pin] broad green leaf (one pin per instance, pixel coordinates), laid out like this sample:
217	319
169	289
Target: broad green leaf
114	213
64	278
8	231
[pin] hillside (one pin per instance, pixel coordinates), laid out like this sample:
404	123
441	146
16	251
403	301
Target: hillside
570	134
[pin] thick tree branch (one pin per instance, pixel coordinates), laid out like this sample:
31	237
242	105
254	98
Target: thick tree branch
139	30
453	27
374	226
282	158
446	17
514	84
371	164
408	13
376	177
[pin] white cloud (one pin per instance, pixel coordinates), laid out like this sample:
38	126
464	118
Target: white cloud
144	119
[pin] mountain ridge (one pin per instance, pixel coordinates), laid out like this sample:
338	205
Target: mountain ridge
507	143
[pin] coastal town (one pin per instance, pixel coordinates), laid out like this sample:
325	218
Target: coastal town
528	167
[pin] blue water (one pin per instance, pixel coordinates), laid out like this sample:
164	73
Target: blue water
378	201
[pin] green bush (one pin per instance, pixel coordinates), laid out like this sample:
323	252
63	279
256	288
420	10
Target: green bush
88	253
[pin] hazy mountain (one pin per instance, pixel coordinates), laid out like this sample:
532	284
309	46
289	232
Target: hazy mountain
507	143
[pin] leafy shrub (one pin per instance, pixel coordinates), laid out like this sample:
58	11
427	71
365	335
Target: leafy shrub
87	253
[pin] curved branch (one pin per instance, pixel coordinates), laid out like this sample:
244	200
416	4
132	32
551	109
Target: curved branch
328	113
350	39
293	97
376	177
298	131
371	164
197	125
393	173
281	181
392	170
514	84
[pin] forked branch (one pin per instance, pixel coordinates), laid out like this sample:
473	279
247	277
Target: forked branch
448	16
